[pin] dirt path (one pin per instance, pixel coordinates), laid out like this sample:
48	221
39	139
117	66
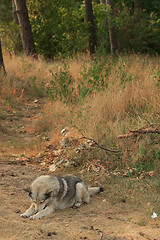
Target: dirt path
15	132
98	220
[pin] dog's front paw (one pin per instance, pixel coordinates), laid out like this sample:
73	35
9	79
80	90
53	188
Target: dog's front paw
77	204
34	217
24	215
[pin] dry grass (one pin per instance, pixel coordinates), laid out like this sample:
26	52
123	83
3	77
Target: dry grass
120	106
129	101
22	71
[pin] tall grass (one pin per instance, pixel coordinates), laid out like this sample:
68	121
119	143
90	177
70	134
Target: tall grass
104	97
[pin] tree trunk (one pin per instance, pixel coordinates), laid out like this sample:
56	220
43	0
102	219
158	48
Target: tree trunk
14	12
25	28
1	60
137	5
91	26
112	30
103	2
137	8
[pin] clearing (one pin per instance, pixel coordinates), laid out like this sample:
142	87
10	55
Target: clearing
122	212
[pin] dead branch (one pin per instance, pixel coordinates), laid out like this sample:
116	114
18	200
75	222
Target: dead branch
101	235
91	139
152	128
127	135
146	236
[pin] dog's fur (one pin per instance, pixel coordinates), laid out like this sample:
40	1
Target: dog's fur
49	192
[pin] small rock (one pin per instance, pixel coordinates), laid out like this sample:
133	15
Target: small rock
52	168
65	131
12	175
131	171
17	211
51	233
84	227
43	163
64	142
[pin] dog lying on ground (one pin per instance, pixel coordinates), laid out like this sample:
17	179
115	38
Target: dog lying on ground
49	192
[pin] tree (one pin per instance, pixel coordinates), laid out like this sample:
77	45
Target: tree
91	26
103	1
136	5
137	9
25	27
112	30
1	59
14	12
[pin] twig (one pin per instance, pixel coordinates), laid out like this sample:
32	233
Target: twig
77	235
91	139
101	235
146	236
99	231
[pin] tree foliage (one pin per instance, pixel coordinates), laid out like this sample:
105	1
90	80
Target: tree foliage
9	31
142	34
60	27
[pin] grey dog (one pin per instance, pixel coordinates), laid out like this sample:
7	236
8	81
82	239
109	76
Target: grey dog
50	192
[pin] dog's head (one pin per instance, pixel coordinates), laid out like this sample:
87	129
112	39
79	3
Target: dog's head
42	191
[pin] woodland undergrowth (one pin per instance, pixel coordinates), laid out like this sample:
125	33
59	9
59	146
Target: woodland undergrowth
103	96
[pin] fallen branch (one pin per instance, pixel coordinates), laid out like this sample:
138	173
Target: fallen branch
127	135
144	130
101	235
146	236
99	231
91	139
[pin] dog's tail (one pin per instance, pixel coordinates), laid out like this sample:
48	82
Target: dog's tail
94	190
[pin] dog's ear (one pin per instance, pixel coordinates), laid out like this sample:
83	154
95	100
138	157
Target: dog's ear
27	189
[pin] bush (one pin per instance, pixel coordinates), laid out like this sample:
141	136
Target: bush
138	33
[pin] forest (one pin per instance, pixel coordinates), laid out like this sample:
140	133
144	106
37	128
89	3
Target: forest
80	94
63	28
